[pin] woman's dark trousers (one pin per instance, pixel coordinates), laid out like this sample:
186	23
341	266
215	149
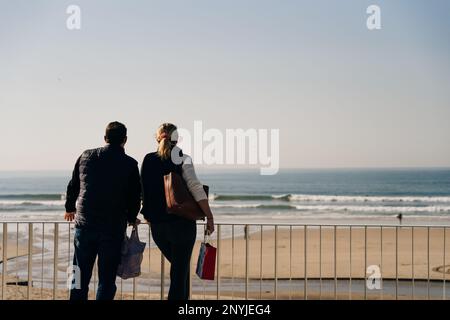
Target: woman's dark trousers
176	240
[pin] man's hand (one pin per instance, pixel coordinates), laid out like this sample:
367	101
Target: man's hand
138	221
209	225
69	216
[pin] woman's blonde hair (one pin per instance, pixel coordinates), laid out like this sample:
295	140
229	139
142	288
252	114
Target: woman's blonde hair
167	139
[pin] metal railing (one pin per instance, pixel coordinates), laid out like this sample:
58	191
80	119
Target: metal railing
254	261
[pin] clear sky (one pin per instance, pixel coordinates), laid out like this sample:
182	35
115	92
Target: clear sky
341	95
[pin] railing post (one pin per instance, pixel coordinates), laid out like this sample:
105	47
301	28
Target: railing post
17	254
218	261
350	266
396	263
444	271
320	262
42	260
150	266
191	264
428	263
335	263
305	289
412	263
121	289
365	262
276	264
55	258
4	259
381	259
290	262
261	262
232	262
30	260
162	276
246	261
69	261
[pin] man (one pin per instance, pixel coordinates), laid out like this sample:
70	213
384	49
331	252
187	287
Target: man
106	187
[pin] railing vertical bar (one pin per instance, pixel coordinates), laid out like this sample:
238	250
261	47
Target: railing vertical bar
365	262
335	263
305	293
150	267
218	260
290	262
55	258
320	262
42	260
246	260
381	260
260	262
443	266
134	289
162	276
121	289
412	263
276	264
204	289
232	262
191	273
30	260
69	245
17	254
428	263
4	259
350	276
396	263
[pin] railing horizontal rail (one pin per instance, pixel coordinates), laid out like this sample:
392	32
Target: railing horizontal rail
286	224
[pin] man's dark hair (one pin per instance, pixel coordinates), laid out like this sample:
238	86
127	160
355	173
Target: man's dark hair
116	133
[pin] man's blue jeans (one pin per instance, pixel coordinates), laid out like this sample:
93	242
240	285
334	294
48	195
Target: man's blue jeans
88	245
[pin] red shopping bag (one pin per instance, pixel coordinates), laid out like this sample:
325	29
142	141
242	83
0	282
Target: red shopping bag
206	263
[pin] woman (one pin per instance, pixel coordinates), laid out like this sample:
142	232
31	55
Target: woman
174	236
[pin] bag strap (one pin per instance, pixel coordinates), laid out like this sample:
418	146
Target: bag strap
206	236
135	232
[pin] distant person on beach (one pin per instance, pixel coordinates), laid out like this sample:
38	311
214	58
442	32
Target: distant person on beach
106	188
174	235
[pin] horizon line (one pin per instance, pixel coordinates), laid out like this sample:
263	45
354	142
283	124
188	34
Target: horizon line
226	168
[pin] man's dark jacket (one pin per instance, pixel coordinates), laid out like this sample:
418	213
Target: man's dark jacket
106	188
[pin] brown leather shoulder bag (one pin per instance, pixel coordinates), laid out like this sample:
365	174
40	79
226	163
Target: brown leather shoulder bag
179	200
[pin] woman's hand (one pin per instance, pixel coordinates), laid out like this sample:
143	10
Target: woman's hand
209	225
204	205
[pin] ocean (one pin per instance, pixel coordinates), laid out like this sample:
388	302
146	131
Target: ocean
367	195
